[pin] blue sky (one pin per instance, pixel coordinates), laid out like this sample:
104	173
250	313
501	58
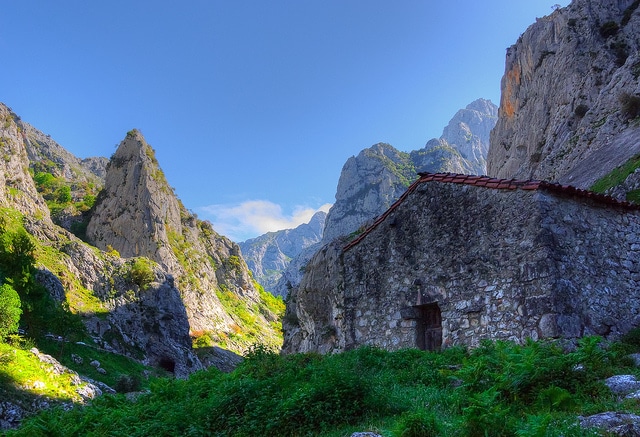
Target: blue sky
253	106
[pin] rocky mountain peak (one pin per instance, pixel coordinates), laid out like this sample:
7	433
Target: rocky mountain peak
370	182
138	214
136	207
468	132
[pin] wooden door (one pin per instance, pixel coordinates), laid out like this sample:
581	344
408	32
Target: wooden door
429	328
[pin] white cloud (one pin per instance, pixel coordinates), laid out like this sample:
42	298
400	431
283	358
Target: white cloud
252	218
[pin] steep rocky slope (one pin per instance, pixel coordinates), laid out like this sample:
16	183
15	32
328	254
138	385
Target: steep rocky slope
571	95
268	255
147	321
17	189
68	184
138	214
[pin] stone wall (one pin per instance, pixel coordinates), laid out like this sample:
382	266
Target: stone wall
597	256
499	263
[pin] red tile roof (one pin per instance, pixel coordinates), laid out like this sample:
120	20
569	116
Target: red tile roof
501	184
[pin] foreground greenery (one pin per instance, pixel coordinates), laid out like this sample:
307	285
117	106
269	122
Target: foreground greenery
498	389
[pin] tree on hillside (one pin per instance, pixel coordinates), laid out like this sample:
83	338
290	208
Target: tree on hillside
10	310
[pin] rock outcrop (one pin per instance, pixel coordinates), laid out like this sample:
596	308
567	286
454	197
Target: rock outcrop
17	189
92	282
268	255
138	214
570	95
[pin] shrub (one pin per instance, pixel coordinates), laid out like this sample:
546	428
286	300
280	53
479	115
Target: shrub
141	272
421	423
610	28
9	310
630	105
581	110
128	383
63	194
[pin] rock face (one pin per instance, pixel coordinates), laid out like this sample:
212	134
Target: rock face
56	169
464	143
268	255
17	189
138	214
372	181
136	202
461	259
43	150
570	95
149	319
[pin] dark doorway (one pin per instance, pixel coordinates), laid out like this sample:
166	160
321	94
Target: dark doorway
429	327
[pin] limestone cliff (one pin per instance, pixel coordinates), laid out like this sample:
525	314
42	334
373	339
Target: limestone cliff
268	255
138	214
68	184
17	189
570	95
148	323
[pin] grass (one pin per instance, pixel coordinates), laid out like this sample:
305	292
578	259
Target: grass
617	175
498	389
116	366
23	376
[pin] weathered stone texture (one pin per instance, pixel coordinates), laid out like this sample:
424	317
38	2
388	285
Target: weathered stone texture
562	114
500	264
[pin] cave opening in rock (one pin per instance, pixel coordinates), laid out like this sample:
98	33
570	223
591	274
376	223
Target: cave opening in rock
167	364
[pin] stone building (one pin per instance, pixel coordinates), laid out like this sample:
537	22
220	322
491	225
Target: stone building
462	258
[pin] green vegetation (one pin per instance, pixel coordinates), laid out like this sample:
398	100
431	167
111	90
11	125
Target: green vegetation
498	389
404	169
141	272
617	175
633	196
23	377
62	195
119	369
249	318
40	313
51	325
9	310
